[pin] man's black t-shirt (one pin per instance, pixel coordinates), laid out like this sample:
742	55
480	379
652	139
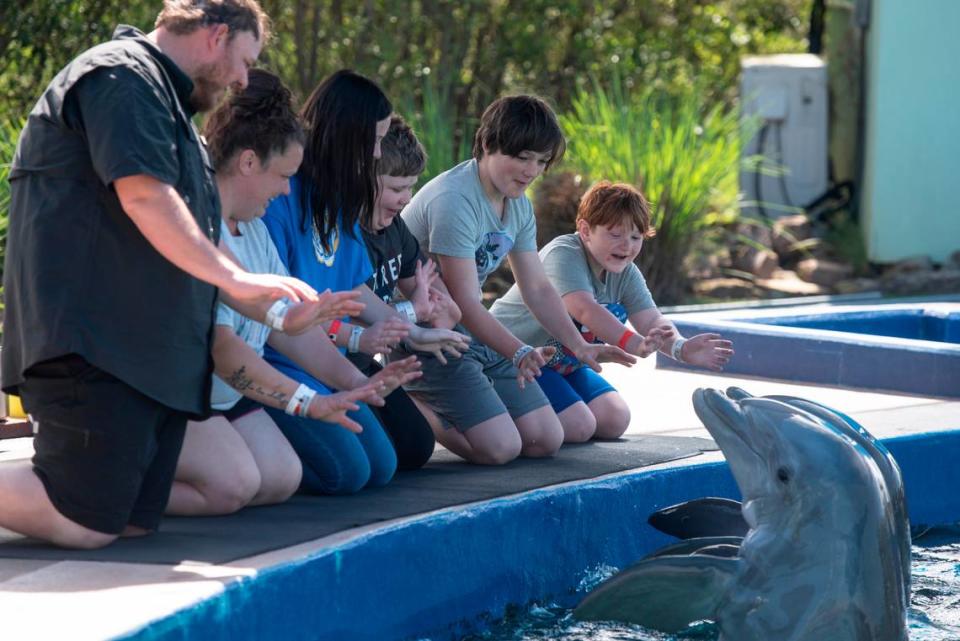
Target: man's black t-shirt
80	277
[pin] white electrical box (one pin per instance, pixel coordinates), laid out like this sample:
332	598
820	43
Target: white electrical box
789	94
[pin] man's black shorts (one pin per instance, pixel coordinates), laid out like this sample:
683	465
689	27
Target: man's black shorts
105	453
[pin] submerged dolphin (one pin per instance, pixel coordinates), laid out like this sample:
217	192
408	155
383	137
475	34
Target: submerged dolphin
823	557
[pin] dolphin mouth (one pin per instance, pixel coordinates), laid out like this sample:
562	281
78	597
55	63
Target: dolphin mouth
727	423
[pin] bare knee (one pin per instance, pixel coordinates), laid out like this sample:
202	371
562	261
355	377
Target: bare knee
82	538
227	496
280	485
496	453
612	414
542	434
579	424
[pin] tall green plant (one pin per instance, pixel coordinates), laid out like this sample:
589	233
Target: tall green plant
447	140
682	155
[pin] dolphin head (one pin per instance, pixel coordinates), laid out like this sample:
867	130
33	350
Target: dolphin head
790	466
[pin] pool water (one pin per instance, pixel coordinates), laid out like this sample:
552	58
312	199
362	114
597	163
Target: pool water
934	613
918	324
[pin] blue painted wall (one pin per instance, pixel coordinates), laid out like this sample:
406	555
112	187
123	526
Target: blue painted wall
910	204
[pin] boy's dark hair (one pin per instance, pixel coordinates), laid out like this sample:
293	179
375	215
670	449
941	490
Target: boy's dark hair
401	154
339	170
514	124
261	118
610	204
186	16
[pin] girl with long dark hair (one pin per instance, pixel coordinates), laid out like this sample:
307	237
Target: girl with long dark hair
316	231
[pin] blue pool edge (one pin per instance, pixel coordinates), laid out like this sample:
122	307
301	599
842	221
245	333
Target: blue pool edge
445	574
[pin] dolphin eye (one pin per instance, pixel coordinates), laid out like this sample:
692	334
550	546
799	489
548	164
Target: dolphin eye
783	474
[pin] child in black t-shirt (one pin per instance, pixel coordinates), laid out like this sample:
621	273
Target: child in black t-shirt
404	278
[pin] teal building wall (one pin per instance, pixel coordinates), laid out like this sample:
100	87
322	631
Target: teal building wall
910	203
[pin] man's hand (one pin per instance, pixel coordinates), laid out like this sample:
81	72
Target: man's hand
396	374
438	342
529	368
333	408
707	350
328	306
257	288
383	336
592	354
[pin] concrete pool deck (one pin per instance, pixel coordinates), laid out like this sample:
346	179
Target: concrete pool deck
94	600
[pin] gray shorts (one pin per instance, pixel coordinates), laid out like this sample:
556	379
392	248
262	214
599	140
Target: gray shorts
474	388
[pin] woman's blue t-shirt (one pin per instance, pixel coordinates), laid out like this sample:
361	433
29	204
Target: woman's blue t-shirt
344	267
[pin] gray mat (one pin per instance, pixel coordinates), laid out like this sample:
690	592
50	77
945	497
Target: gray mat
443	482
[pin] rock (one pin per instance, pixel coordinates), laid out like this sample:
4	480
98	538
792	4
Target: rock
788	231
909	265
787	282
823	272
760	263
857	285
944	281
725	288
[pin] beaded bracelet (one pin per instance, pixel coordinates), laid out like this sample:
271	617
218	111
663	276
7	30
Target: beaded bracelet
520	354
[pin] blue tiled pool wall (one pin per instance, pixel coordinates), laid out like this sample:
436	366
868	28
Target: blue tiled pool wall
916	324
446	574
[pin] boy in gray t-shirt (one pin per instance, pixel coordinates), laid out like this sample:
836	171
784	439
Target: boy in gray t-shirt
470	218
602	288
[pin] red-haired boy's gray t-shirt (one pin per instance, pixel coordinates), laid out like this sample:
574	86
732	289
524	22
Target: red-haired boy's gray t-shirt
451	216
565	262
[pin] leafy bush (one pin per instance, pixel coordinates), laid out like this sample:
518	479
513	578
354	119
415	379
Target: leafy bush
9	130
684	157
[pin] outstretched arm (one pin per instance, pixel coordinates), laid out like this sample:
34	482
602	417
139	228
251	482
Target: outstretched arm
710	351
583	307
544	302
244	370
163	218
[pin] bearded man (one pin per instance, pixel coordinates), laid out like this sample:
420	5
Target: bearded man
112	271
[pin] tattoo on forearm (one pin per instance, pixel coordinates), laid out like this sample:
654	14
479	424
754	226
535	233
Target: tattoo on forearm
239	380
244	384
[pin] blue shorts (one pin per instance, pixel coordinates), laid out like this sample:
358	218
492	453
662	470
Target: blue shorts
582	384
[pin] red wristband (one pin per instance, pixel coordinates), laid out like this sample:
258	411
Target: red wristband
622	343
334	328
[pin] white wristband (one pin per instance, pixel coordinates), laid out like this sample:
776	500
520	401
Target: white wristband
276	314
299	403
406	308
520	354
353	343
675	350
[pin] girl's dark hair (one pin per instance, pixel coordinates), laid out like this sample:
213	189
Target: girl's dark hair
514	124
260	117
339	171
